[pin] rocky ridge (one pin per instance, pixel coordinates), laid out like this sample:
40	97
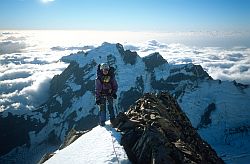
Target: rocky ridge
155	130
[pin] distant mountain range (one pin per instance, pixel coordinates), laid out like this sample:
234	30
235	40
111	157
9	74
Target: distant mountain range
218	109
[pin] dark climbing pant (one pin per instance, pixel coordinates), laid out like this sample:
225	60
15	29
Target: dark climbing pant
107	100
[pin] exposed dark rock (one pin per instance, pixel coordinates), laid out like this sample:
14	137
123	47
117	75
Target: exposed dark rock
196	72
128	56
111	59
45	158
56	84
240	86
53	139
14	126
179	79
157	61
205	118
85	123
71	137
230	133
131	96
162	84
155	130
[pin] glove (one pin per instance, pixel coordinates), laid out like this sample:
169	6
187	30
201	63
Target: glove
114	96
98	101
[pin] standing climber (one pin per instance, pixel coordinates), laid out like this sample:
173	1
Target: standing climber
105	90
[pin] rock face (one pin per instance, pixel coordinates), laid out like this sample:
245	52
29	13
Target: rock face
155	130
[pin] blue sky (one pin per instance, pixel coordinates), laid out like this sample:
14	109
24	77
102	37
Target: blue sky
129	15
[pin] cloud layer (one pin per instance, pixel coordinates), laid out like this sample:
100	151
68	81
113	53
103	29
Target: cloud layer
224	64
11	46
25	72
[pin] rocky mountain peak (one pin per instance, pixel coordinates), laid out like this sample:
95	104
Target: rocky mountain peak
154	60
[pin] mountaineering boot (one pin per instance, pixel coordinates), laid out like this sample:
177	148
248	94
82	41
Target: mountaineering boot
113	122
102	123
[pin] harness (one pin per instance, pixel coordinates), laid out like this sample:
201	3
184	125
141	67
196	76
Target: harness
106	81
106	85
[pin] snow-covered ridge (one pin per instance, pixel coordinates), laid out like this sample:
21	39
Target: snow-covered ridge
100	145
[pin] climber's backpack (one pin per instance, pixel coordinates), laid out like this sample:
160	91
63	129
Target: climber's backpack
101	77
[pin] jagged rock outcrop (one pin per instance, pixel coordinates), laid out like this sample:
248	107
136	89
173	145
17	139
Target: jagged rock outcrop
157	58
155	130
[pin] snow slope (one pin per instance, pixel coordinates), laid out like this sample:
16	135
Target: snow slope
228	130
99	146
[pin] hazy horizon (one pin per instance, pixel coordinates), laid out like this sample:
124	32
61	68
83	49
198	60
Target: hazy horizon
224	39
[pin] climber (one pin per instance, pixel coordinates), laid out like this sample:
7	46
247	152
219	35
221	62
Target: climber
105	90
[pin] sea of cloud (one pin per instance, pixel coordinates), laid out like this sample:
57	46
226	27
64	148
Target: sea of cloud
30	59
25	71
220	62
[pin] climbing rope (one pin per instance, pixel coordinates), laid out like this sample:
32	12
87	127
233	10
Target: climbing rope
114	147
